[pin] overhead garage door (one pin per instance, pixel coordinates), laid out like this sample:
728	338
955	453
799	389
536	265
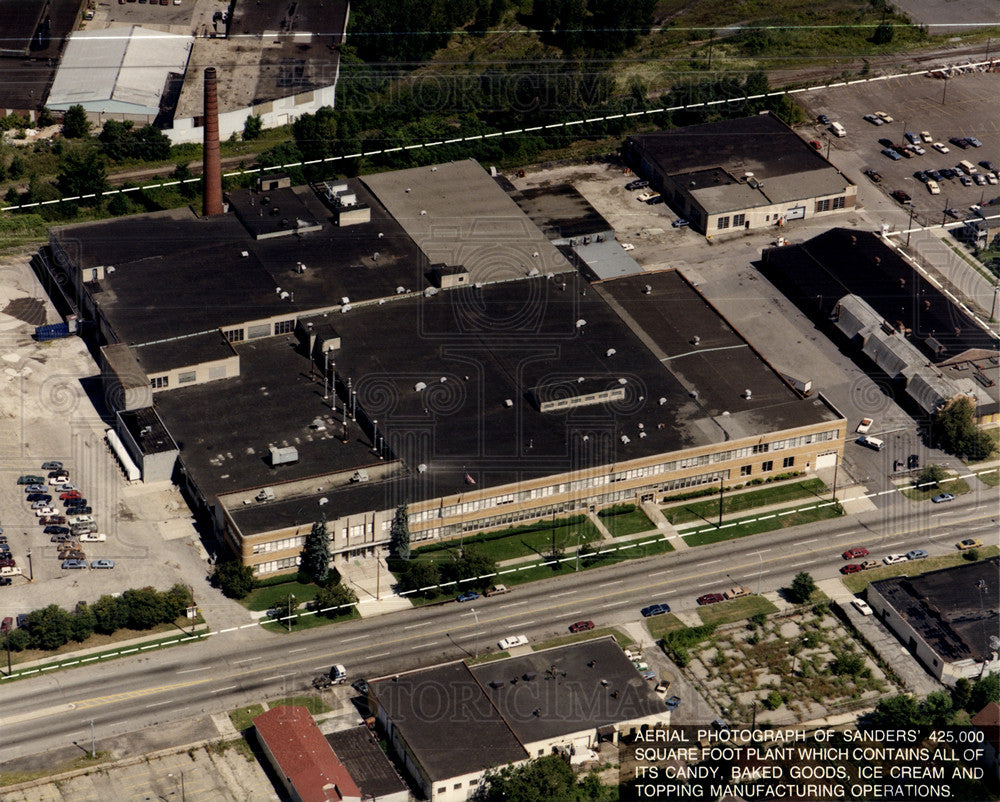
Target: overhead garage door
795	213
826	460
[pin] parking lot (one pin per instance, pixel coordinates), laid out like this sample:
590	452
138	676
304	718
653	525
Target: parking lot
48	406
958	107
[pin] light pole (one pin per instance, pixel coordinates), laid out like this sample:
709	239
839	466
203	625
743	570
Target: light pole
760	575
291	598
31	572
93	740
476	616
577	551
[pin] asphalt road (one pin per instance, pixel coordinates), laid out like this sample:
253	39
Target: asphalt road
140	704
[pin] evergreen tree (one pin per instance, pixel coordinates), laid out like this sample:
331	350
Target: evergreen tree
400	533
234	579
75	123
315	562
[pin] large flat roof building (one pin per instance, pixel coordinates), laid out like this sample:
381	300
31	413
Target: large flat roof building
948	618
752	172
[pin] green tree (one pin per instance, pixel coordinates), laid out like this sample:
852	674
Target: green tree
954	429
145	607
315	559
419	574
802	588
120	205
850	664
12	197
82	172
83	623
16	167
984	690
45	118
399	534
773	700
931	475
252	128
149	143
115	139
541	780
936	709
901	710
473	565
176	601
334	602
75	123
18	640
182	173
234	579
110	614
884	34
961	692
49	627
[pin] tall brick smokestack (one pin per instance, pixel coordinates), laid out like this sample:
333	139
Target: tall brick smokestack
212	170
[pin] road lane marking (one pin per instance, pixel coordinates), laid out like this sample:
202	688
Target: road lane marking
192	670
421	624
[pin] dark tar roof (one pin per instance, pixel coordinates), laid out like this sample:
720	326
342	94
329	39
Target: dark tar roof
148	431
505	341
273	212
818	273
447	721
192	349
561	212
224	428
557	692
949	608
760	144
18	21
366	762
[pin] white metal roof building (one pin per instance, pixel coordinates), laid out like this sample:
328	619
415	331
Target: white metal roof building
118	70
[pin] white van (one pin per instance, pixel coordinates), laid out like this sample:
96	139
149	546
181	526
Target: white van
838	130
871	442
967	167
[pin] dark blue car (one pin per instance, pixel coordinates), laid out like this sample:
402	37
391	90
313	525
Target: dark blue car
655	609
468	596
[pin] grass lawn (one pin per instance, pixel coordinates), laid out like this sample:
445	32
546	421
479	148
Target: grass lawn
955	486
858	582
243	717
627	523
994	433
991	477
660	625
735	610
313	704
621	638
708	510
309	620
266	597
510	544
741	528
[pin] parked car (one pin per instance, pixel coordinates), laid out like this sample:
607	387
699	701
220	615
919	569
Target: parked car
926	136
50	520
885	142
959	142
655	609
916	554
30	479
934	175
953	213
55	530
874	120
851	568
933	187
980	179
861	606
823	119
44	510
710	598
70	503
81	519
966	181
672	702
815	143
857	551
74	563
52	466
892	559
93	537
971	140
680	222
69	495
901	196
912	137
737	592
891	154
884	117
627	246
992	178
969	543
645	196
867	565
940	147
638	184
44	498
512	642
64	488
469	595
5	580
581	626
36	488
940	498
60	538
58	480
874	175
102	564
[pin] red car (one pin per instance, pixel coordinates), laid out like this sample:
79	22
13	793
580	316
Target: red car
853	554
815	144
851	568
70	495
581	626
710	598
47	520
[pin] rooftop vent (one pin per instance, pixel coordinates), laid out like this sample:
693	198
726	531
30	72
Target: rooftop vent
748	394
422	467
420	386
507	402
695	340
581	322
610	352
662	401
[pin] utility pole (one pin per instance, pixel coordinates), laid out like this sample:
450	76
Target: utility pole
291	598
93	740
909	226
760	575
836	465
577	551
720	500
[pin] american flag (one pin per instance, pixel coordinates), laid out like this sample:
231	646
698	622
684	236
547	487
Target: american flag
469	480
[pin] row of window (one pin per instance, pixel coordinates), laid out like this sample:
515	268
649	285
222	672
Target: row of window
738	220
827	203
276	565
767	466
443	789
278	545
621	476
260	330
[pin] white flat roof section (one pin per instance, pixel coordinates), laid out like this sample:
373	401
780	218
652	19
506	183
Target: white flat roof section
118	70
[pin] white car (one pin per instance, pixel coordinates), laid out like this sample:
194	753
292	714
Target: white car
645	196
93	537
992	178
933	187
918	150
861	606
940	147
893	559
41	512
865	426
512	642
628	246
80	519
926	136
885	117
